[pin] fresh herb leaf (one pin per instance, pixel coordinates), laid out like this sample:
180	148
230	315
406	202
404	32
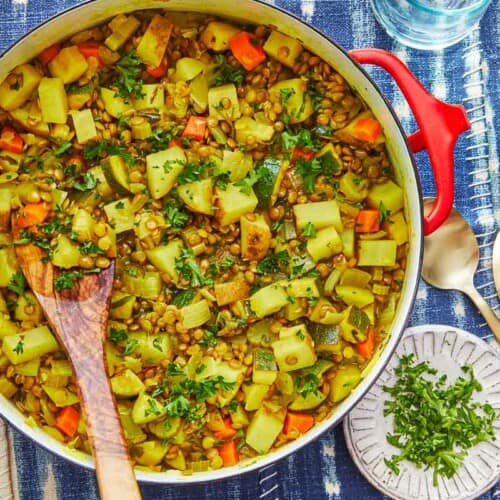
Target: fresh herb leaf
303	138
183	298
160	139
326	164
285	95
193	172
17	283
188	268
175	216
274	262
174	370
129	84
90	248
307	384
66	279
88	183
117	335
225	73
19	347
209	338
309	231
62	148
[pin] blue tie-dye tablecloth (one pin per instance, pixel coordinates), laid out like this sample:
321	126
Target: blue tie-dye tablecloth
467	73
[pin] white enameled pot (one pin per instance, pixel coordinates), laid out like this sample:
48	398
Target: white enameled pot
440	126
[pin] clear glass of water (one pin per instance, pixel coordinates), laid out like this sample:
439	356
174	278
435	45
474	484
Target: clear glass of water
429	24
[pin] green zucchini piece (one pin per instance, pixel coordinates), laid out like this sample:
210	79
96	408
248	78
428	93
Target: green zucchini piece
346	378
264	367
116	172
354	327
294	349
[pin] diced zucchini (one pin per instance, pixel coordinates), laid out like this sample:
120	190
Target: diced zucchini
198	196
345	380
325	313
302	287
66	254
326	243
354	187
218	96
30	117
126	384
143	219
308	402
255	237
68	65
196	314
237	163
283	48
53	100
264	367
396	228
30	368
389	194
82	225
153	349
167	428
116	173
285	383
84	125
231	291
348	239
113	104
294	349
353	295
294	310
216	35
254	395
163	168
232	203
260	333
154	97
199	93
326	338
268	300
164	258
27	79
32	344
354	326
377	253
132	431
103	188
146	409
122	305
8	265
122	29
355	277
60	396
298	103
264	428
120	215
153	44
147	286
247	126
320	214
187	68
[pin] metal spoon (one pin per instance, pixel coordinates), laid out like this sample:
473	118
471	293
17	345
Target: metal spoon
451	257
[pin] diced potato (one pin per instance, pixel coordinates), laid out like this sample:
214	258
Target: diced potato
354	187
198	196
14	95
320	214
218	96
345	380
231	291
264	367
237	163
283	48
32	344
122	305
154	97
264	428
68	65
120	214
302	287
84	125
232	203
162	169
164	258
294	349
396	228
153	44
113	104
355	324
352	135
389	194
147	286
326	243
187	68
30	117
246	127
298	104
151	453
255	237
216	35
82	225
153	349
122	29
196	314
66	253
377	253
254	395
268	300
126	384
147	409
53	100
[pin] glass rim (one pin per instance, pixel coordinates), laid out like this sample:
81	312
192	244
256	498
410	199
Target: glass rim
447	12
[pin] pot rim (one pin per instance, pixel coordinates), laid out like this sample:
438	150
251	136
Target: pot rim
410	291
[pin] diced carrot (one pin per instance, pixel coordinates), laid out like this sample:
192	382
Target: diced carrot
32	214
91	49
367	129
298	422
157	72
248	54
229	453
195	128
367	347
67	420
228	431
368	220
49	53
175	142
11	141
299	152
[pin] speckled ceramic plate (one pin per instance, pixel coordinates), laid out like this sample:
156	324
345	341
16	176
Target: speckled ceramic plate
447	349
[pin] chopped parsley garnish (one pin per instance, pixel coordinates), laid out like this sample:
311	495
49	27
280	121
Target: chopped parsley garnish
97	150
225	73
129	69
434	424
309	231
303	138
62	148
326	164
88	183
19	347
209	338
188	268
175	216
183	298
274	262
117	335
253	177
192	172
90	248
307	384
17	283
285	95
384	213
66	279
161	138
131	345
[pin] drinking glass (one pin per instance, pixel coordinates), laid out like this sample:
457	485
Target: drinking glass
429	24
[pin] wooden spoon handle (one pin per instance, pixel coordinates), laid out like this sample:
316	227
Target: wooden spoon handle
115	474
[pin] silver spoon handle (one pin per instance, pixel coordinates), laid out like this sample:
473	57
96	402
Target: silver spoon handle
485	310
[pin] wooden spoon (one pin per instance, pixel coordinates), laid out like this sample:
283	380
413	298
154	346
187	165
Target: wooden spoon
78	317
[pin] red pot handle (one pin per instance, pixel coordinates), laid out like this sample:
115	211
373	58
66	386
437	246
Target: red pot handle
440	125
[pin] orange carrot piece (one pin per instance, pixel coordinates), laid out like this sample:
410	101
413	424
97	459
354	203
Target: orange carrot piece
229	453
32	214
67	420
368	220
367	129
195	128
157	72
299	422
367	347
299	152
91	49
228	431
248	54
11	141
49	53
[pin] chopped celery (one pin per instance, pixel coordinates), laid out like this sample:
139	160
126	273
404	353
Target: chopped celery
66	254
153	44
151	453
255	237
147	286
354	326
283	48
60	396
